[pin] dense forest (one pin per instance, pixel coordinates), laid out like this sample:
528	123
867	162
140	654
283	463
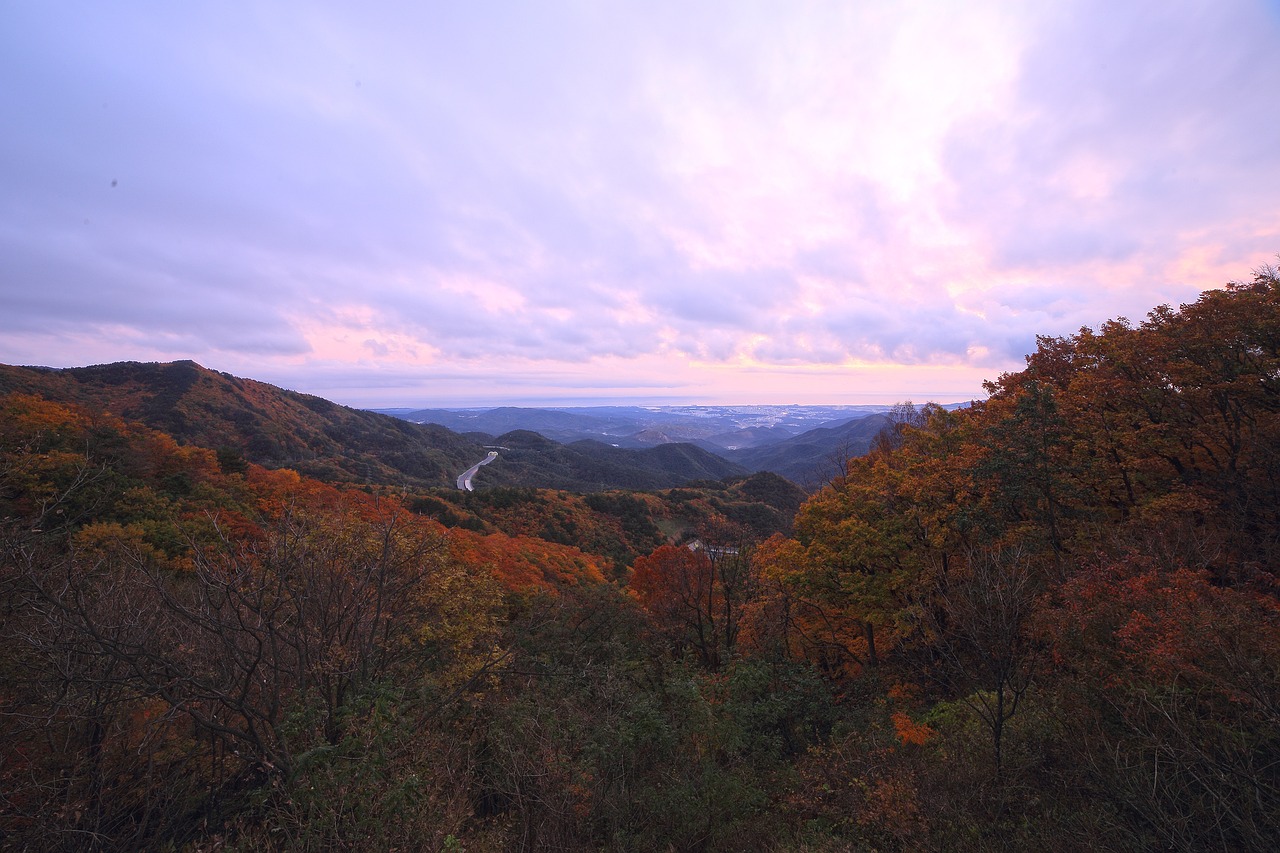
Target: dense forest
1050	619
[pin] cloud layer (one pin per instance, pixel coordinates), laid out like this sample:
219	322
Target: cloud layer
737	202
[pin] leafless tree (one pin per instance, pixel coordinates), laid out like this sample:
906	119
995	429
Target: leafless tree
984	636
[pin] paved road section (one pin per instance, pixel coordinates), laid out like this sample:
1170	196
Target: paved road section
464	479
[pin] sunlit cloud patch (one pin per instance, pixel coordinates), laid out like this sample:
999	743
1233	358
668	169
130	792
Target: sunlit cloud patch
742	202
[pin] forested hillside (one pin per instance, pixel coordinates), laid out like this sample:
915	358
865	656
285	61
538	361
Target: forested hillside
529	459
264	424
621	525
814	457
1047	621
1064	599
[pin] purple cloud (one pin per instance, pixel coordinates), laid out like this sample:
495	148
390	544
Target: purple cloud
412	201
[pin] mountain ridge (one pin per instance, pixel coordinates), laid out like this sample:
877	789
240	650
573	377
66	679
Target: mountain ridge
280	428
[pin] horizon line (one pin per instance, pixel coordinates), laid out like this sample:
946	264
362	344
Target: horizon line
668	403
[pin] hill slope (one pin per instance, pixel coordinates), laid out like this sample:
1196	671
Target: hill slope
811	458
267	425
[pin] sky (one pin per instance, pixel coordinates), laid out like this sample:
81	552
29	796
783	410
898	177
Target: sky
483	203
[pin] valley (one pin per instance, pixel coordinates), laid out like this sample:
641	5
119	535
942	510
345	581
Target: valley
240	617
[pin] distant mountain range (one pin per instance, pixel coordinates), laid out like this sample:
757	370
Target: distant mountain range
576	449
715	428
805	444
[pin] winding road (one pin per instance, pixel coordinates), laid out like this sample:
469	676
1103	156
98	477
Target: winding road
464	479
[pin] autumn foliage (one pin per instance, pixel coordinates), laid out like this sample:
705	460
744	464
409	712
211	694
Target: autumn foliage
1048	620
1081	571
